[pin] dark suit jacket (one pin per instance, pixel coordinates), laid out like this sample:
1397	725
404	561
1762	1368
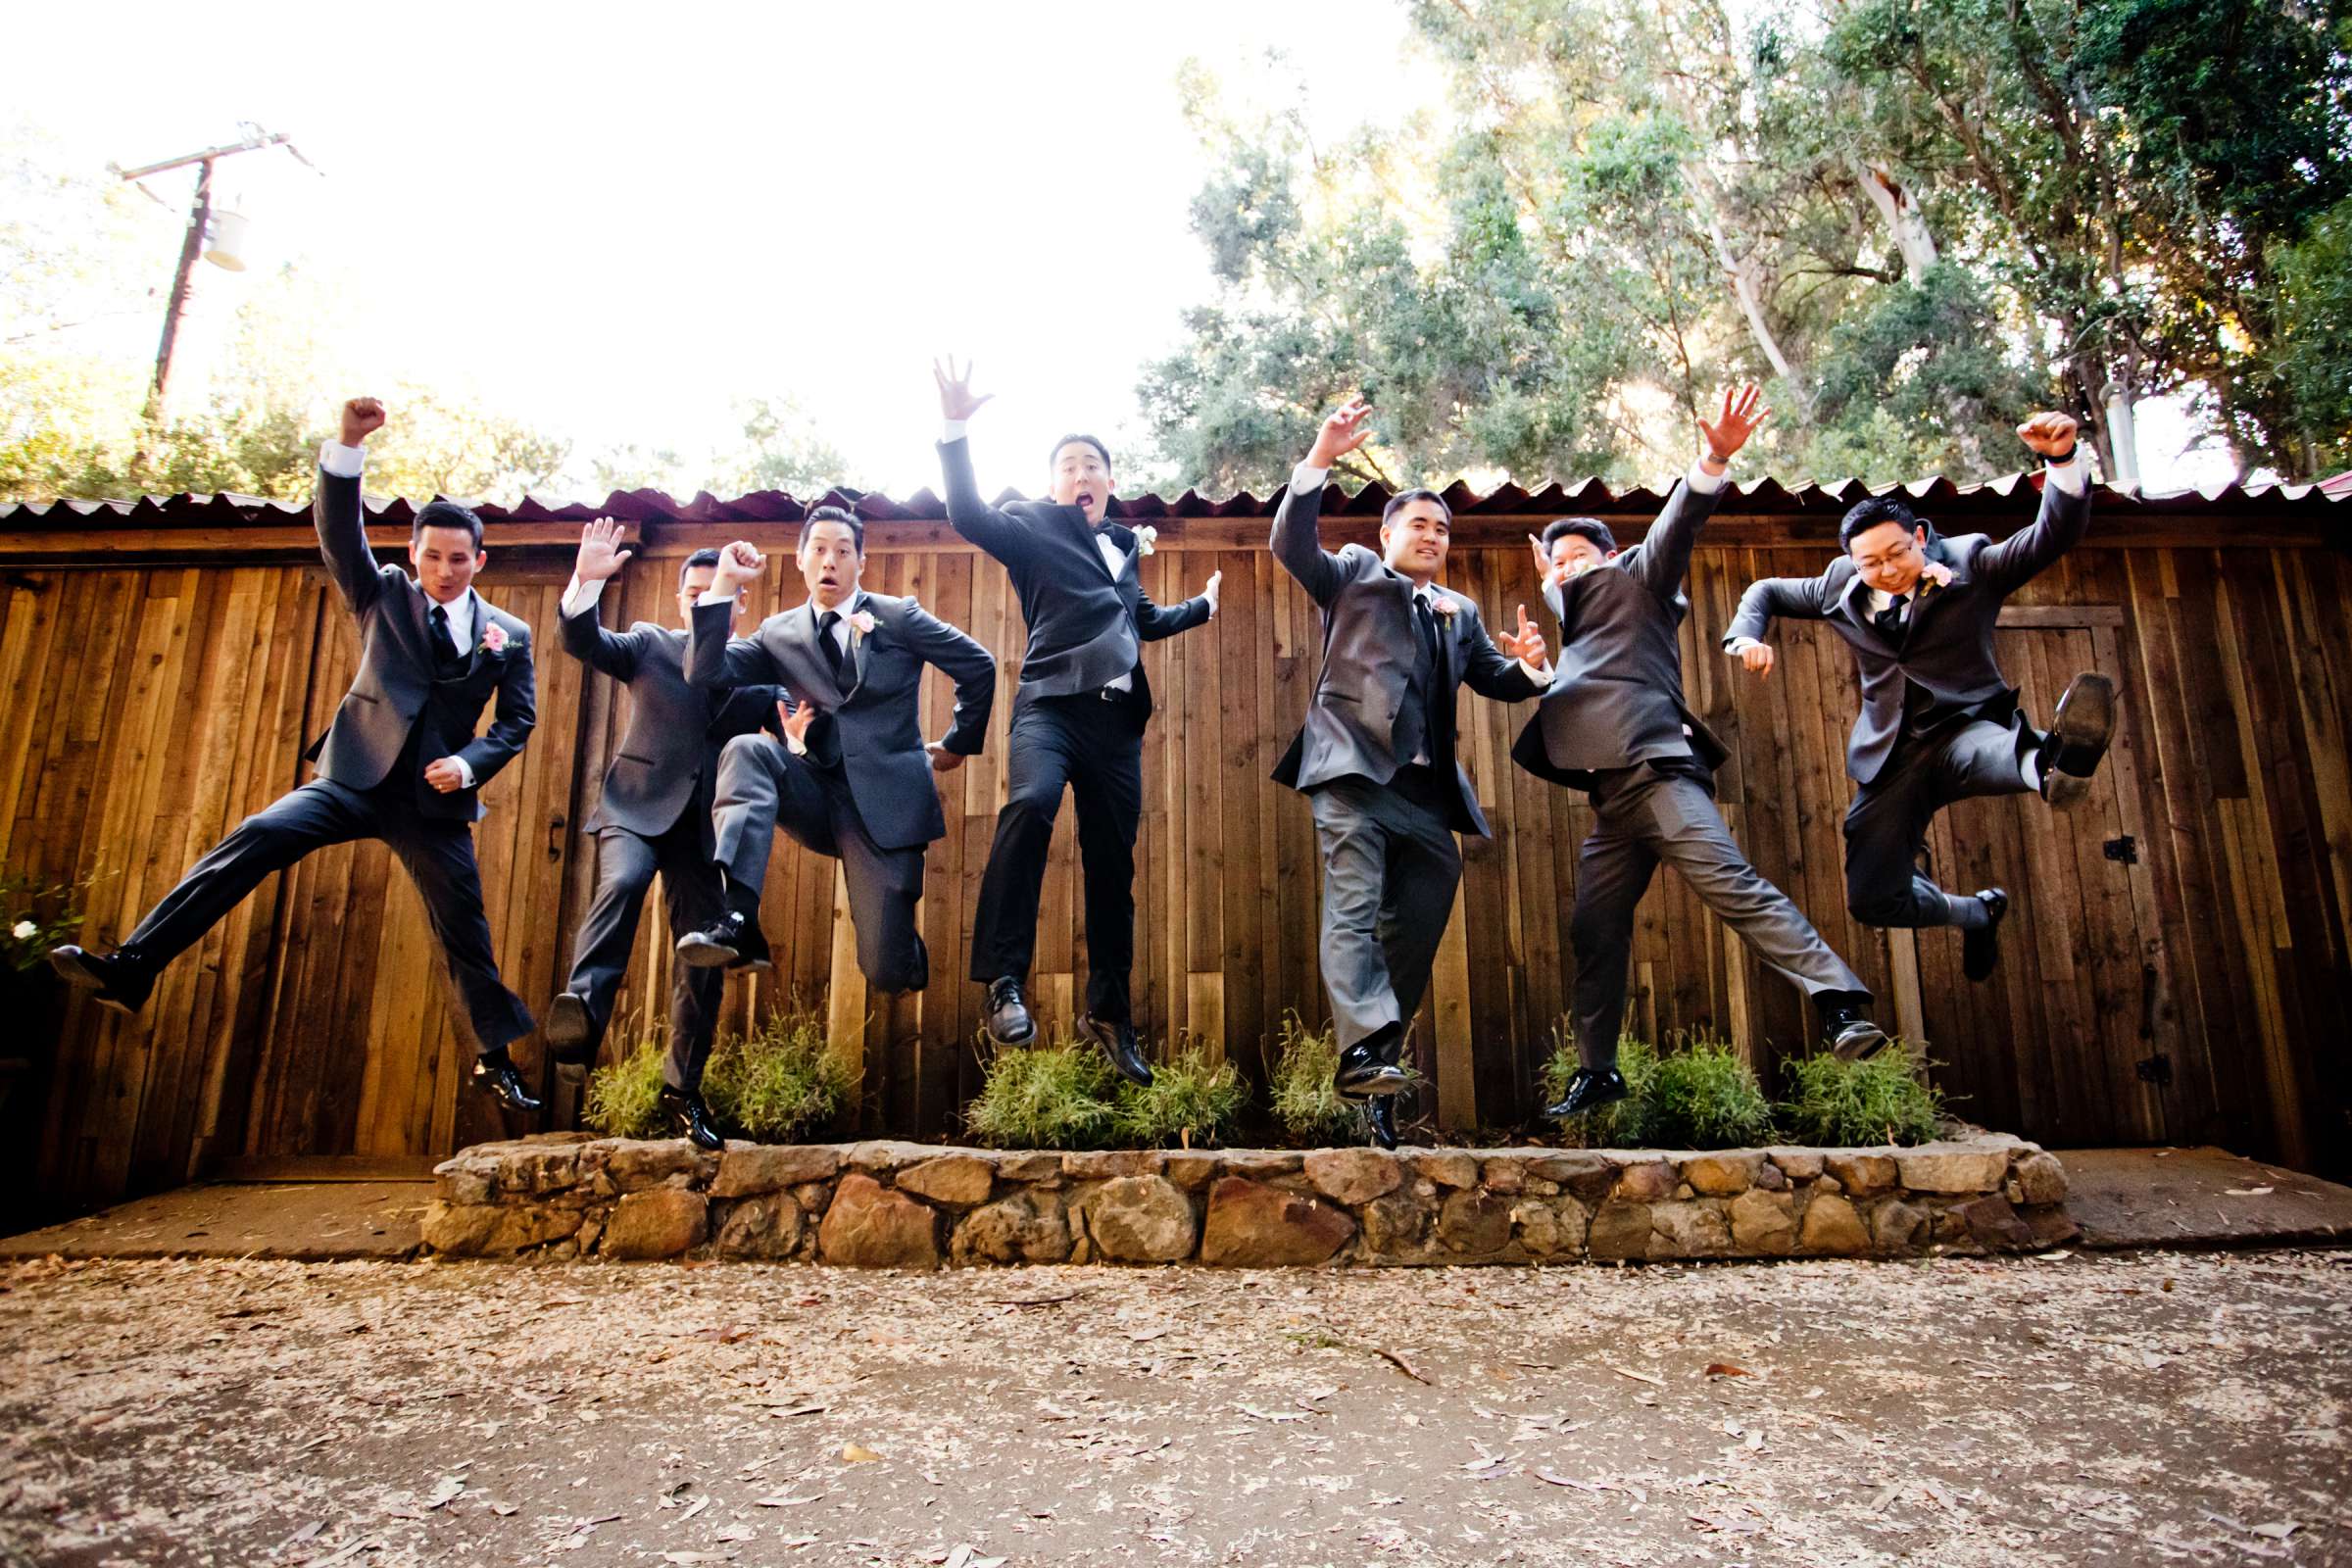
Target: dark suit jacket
878	718
1616	695
1946	645
1085	626
667	764
397	687
1366	714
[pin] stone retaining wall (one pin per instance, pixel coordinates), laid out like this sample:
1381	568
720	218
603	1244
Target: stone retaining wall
918	1205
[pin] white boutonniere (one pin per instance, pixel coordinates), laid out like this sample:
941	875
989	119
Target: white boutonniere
1442	607
24	931
494	639
1146	540
1937	574
861	622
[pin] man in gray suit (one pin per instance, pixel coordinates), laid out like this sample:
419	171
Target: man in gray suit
399	764
1614	725
1376	755
652	816
852	776
1940	722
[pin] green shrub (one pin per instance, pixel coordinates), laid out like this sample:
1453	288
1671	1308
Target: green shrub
1706	1096
1191	1101
1885	1100
1057	1096
1308	1107
1623	1124
623	1097
776	1084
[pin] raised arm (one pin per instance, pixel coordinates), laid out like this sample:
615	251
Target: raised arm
579	618
1296	540
1512	671
516	713
998	533
973	670
1662	560
2065	508
339	515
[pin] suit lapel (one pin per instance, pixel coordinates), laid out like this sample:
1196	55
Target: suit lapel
856	649
800	628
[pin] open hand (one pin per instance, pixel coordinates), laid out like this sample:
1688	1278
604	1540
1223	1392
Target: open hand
361	418
955	400
1740	418
2050	435
1210	593
603	552
1548	572
1525	643
796	720
1348	427
1759	658
444	775
943	760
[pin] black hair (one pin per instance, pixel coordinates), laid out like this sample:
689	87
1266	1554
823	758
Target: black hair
1405	498
705	556
1868	514
1592	528
1076	438
841	515
447	515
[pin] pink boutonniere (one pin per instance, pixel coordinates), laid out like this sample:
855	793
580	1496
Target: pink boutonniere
1937	573
1442	607
862	621
494	639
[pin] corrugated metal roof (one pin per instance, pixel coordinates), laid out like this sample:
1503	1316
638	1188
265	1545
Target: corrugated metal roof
776	505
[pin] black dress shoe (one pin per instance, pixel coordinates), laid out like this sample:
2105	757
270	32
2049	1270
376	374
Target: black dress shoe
1371	1066
570	1036
122	983
1981	946
732	942
495	1074
1586	1090
2077	739
690	1114
1117	1039
1380	1119
1852	1035
1007	1019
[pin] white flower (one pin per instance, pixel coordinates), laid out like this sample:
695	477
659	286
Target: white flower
1146	540
862	621
24	931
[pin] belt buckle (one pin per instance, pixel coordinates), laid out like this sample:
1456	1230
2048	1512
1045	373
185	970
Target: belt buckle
1109	694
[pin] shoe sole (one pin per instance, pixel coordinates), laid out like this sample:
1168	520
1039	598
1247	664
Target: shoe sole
698	952
2082	726
1587	1109
2065	791
1861	1046
566	1026
1372	1086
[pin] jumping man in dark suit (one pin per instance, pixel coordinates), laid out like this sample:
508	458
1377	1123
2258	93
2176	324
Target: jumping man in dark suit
653	814
1077	721
401	761
1940	722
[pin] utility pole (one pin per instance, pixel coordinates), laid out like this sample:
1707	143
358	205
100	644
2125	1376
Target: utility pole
192	245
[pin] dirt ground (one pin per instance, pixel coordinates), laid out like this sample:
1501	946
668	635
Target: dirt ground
2131	1409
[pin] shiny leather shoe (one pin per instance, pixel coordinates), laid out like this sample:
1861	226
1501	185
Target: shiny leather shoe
1852	1035
570	1036
1981	946
1118	1042
1007	1019
689	1114
2077	739
732	942
1587	1091
495	1074
1369	1067
122	983
1380	1120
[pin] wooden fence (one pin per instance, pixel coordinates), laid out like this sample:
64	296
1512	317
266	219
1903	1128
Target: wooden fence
2175	966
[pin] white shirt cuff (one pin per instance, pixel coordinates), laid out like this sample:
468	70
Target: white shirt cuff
577	599
1741	644
795	745
951	430
465	770
1705	483
711	596
344	462
1307	476
1541	674
2074	474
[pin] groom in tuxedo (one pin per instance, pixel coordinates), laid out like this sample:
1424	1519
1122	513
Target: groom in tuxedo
400	763
653	816
1376	757
1940	720
1077	721
852	777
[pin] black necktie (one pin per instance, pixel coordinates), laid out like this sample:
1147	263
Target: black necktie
445	647
830	647
1889	620
1437	719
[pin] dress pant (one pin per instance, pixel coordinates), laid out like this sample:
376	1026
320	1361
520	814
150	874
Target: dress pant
1092	745
437	852
1656	811
1390	866
1887	826
626	866
762	787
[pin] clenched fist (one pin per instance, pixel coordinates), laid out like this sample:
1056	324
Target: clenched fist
361	418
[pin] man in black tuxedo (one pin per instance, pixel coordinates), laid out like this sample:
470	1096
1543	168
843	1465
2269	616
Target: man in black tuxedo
400	763
653	816
852	776
1940	722
1376	755
1614	725
1077	721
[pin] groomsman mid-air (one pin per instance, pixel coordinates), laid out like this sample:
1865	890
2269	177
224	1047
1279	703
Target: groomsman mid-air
1614	725
852	777
1376	757
399	764
1078	721
653	815
1940	722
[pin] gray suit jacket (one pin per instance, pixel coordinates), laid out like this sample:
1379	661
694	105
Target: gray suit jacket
1365	717
878	718
399	686
667	764
1616	695
1085	626
1946	645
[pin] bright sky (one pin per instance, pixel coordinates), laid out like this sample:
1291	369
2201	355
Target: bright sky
615	223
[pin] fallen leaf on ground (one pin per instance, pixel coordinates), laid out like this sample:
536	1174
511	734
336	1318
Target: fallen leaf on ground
1725	1369
857	1454
1638	1377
